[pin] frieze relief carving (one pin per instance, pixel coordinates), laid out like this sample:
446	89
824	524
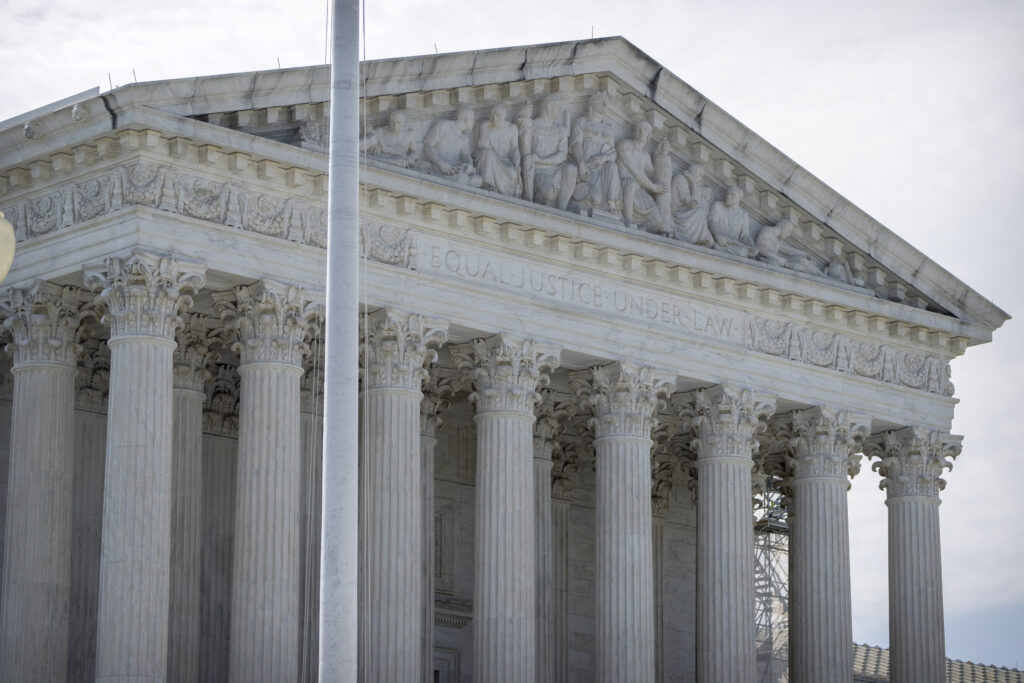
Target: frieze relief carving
839	352
580	156
166	189
388	244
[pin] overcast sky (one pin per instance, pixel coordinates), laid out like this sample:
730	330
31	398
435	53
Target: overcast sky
913	111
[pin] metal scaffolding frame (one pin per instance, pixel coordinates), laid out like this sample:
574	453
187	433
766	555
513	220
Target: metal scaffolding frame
771	583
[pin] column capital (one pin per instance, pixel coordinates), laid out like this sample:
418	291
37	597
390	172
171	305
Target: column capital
143	294
911	461
436	393
43	318
271	320
506	371
193	354
395	348
624	397
727	419
551	416
824	442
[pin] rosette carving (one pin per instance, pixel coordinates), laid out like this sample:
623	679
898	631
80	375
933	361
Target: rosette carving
727	420
825	442
395	348
624	397
911	461
271	321
143	294
43	320
505	371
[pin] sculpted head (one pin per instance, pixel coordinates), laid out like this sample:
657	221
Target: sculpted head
642	132
662	147
696	172
464	117
550	108
397	120
497	115
733	195
597	104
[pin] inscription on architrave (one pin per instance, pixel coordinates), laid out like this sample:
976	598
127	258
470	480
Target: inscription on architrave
578	290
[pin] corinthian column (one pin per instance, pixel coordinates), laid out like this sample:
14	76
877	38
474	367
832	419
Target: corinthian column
624	398
727	419
434	403
506	372
820	617
190	374
911	462
37	569
142	295
271	321
391	619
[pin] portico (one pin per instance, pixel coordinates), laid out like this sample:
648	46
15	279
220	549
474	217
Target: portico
525	358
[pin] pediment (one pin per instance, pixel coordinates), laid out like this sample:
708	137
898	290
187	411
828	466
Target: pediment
590	131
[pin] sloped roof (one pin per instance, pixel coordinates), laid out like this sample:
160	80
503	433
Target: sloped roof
871	665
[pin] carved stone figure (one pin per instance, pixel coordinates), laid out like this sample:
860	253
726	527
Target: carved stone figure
524	122
547	177
639	189
592	148
691	202
838	269
497	154
730	225
771	248
394	143
447	148
663	176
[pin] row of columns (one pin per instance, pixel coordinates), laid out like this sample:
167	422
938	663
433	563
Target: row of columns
149	554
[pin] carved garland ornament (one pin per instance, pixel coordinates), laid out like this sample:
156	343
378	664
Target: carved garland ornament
166	189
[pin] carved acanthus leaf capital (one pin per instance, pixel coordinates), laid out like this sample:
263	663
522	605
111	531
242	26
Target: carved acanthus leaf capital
825	442
311	387
271	321
437	392
143	294
220	410
624	397
43	320
552	415
193	354
911	461
506	371
727	420
395	348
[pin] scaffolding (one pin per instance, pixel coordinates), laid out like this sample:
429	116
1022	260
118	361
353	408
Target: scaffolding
771	583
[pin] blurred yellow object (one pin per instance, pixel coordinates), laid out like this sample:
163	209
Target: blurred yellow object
6	245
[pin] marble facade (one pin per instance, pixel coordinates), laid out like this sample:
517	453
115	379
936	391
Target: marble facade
593	304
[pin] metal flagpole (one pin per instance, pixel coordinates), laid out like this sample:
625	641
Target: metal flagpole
339	540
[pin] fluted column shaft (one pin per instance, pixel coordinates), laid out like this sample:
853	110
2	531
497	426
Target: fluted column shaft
143	299
37	567
624	398
820	620
543	568
431	406
394	354
505	373
560	589
911	462
190	374
270	321
186	534
726	423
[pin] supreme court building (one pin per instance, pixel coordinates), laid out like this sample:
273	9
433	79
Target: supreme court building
598	312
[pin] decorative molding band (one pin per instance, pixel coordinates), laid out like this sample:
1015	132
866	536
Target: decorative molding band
163	188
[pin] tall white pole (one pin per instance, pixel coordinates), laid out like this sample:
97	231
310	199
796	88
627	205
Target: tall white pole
339	545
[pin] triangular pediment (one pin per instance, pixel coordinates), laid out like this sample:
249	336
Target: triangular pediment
599	132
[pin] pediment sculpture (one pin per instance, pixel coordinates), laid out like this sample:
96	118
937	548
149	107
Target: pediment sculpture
537	151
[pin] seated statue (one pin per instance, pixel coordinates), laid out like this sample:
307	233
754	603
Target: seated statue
394	143
447	148
730	225
547	177
771	248
592	149
639	189
691	202
497	154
